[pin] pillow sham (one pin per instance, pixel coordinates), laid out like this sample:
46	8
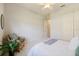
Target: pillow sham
74	43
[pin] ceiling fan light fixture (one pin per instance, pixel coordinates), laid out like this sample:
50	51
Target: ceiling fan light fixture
47	6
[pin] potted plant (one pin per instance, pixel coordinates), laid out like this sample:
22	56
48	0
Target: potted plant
11	45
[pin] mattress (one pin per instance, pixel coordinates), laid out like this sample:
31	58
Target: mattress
57	48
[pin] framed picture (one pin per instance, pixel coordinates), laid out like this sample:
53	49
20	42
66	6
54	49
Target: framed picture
2	21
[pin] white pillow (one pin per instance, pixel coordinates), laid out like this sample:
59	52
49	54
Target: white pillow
74	43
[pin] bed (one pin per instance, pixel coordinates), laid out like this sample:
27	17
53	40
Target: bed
51	47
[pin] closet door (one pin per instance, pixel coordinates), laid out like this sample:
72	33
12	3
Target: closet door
76	23
67	26
56	27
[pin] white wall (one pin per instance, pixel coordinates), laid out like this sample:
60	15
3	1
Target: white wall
1	12
24	23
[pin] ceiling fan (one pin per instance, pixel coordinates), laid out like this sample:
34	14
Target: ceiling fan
50	5
46	5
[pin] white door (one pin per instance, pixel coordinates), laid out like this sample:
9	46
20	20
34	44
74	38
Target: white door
67	26
56	27
76	23
62	26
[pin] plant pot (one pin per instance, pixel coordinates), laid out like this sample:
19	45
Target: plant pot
11	53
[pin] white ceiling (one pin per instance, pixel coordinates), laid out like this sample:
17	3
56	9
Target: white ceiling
37	8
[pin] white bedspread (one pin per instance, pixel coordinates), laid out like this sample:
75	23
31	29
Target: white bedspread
59	48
